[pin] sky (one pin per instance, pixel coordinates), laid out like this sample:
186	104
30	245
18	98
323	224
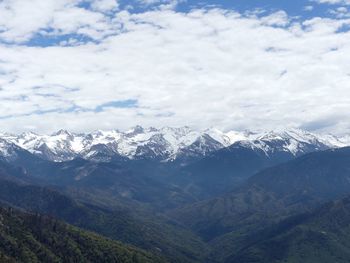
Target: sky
84	65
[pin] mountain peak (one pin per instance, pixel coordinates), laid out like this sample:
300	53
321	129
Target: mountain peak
61	132
136	130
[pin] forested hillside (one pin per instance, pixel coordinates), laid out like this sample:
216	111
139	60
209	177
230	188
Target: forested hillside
27	237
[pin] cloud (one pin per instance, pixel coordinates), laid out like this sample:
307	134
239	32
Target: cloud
340	12
206	67
22	20
308	8
104	5
151	2
279	18
332	2
157	2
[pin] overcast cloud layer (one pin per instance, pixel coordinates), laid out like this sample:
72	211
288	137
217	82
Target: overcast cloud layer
86	65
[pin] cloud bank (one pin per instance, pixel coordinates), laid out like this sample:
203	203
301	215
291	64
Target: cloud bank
85	65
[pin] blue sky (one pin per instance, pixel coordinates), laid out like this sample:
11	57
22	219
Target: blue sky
105	64
295	7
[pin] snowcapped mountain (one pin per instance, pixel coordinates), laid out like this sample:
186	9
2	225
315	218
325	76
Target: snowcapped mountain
8	150
292	141
162	144
136	143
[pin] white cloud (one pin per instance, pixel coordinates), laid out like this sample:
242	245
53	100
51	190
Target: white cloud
279	18
332	2
104	5
152	2
202	68
20	20
340	12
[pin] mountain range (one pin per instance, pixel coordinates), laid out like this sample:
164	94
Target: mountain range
178	194
164	144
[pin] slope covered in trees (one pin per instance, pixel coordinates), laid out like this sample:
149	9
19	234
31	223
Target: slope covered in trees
27	237
319	237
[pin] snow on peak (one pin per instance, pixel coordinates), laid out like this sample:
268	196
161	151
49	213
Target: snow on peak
236	136
294	141
61	132
165	143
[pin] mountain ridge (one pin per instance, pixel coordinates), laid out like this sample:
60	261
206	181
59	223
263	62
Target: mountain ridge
164	144
268	197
